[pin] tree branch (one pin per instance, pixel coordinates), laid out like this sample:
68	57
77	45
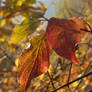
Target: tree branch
51	80
90	73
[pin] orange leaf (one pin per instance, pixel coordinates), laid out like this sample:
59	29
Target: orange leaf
63	35
33	61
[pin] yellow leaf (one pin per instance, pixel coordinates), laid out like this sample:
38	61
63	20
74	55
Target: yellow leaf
2	23
37	86
2	39
41	76
50	69
16	62
5	80
19	3
21	32
90	83
61	90
88	12
15	69
24	18
75	84
1	13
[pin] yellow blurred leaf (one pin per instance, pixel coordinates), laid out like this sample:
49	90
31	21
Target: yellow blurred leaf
15	69
1	13
2	23
44	8
41	76
84	79
61	90
24	18
16	62
21	32
37	86
50	69
5	80
75	84
90	83
88	12
19	3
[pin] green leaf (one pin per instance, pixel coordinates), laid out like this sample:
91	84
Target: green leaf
21	32
27	2
44	8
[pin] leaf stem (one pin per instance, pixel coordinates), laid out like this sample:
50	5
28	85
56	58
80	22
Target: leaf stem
45	18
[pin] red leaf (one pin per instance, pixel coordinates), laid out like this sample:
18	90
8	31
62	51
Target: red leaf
63	35
33	62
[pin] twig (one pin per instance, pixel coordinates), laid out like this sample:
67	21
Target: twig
45	18
6	54
90	73
82	79
69	72
7	72
69	75
51	80
86	30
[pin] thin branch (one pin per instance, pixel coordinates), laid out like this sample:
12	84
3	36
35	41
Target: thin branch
69	72
90	73
2	72
51	80
86	30
69	75
88	67
45	18
6	54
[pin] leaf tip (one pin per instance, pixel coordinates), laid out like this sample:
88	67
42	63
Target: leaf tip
75	61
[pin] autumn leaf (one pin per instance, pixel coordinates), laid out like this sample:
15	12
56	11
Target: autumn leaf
33	61
64	34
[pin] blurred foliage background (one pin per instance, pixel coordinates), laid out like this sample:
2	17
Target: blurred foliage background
20	20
